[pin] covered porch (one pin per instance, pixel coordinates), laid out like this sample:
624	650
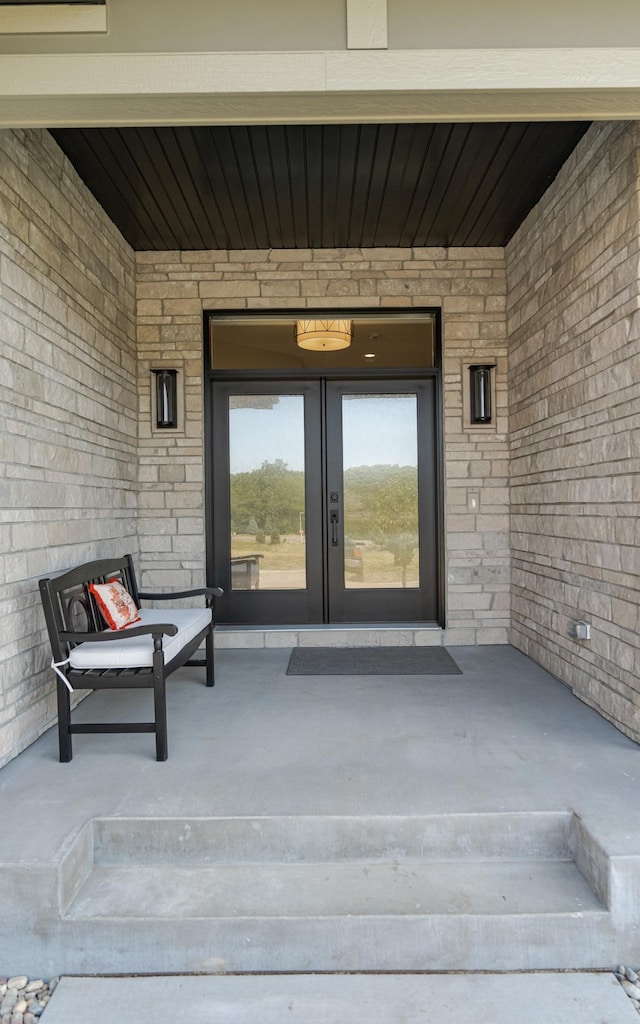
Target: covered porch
539	511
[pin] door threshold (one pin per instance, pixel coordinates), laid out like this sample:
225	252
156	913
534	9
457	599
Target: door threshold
233	627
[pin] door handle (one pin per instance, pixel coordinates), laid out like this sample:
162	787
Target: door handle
333	519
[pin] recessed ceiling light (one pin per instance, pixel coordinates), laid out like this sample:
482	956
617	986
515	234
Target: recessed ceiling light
369	355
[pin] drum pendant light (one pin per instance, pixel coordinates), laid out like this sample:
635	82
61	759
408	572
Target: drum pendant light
324	335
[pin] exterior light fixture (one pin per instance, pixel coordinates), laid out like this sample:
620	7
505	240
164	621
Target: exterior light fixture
324	335
480	393
166	398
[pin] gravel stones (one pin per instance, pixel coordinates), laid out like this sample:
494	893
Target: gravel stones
23	1001
630	982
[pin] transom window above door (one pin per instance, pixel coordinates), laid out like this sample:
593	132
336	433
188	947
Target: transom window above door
357	342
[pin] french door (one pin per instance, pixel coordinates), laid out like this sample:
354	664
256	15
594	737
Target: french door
324	501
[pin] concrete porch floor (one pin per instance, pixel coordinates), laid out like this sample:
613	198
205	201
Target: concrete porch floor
502	737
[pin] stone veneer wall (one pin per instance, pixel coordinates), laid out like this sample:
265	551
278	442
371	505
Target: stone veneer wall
574	326
174	288
68	399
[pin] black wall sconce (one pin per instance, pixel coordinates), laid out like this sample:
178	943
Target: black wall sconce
166	398
480	393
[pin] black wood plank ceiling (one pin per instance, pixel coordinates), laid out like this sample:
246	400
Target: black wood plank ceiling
320	186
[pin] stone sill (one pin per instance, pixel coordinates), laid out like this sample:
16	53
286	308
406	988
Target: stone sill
243	637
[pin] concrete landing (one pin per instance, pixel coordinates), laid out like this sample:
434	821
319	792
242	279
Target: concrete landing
359	999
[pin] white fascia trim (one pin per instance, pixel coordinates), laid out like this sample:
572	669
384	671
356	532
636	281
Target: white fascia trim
160	74
32	19
117	74
42	90
460	70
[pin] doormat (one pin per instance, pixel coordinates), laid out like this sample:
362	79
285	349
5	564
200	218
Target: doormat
371	661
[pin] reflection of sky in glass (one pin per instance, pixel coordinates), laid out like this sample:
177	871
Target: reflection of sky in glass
379	429
265	434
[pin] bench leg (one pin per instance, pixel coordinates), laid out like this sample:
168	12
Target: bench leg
210	658
160	715
64	723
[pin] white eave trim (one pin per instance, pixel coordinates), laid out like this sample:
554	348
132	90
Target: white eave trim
293	87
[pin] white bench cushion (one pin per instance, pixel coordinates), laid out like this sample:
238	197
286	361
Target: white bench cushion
137	651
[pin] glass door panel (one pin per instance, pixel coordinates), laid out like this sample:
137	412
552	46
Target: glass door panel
380	491
266	496
267	492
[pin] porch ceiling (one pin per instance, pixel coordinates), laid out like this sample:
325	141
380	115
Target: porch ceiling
320	186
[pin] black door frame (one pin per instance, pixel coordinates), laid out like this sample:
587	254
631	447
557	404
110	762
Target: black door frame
417	373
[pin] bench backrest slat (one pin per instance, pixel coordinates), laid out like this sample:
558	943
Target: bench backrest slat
69	605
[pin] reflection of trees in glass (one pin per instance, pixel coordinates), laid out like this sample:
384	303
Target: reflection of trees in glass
381	504
269	498
253	402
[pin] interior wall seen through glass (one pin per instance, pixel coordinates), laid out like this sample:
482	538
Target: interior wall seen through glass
256	343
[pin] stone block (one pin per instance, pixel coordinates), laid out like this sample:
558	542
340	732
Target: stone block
188	544
396	637
190	524
228	289
458	637
280	638
342	288
278	289
290	255
313	287
239	639
463	304
154	543
428	637
171	473
494	635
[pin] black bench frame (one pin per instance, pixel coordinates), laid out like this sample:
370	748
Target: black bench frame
72	618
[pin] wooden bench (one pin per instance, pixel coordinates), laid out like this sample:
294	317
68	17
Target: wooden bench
89	656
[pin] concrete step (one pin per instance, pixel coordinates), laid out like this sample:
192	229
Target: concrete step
326	999
335	889
301	867
366	893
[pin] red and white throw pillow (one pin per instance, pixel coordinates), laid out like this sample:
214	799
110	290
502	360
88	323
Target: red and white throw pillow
117	607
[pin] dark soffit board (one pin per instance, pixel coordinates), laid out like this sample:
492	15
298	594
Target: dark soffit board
319	186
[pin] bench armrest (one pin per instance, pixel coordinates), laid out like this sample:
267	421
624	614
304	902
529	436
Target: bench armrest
207	591
155	629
